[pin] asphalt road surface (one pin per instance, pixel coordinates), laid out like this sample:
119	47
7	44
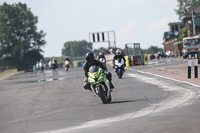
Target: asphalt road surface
55	102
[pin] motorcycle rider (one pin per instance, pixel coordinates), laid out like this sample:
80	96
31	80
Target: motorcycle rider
89	62
67	58
50	64
68	61
37	65
54	63
101	55
119	57
102	58
41	64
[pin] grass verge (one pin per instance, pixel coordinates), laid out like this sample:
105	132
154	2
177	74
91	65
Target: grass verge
9	72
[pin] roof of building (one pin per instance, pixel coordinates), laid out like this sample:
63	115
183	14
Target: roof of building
188	14
172	23
196	10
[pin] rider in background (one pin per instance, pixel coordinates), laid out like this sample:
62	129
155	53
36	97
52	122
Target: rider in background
37	65
67	62
54	63
102	59
90	61
101	55
41	64
67	59
119	57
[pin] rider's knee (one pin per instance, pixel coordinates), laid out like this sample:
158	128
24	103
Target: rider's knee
87	86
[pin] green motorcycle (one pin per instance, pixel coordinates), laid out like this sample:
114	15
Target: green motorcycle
100	85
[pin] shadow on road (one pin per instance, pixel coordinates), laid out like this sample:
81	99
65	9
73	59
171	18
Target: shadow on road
127	101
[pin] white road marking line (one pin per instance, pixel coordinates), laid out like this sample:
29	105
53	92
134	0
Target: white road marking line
61	78
165	77
185	97
49	80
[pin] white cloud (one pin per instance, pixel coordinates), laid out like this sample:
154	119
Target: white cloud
126	33
159	25
127	29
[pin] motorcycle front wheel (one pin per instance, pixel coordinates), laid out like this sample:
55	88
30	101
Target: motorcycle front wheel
109	99
102	95
119	73
66	68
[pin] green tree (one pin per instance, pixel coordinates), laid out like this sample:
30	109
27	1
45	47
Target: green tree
20	42
97	51
182	34
185	5
76	48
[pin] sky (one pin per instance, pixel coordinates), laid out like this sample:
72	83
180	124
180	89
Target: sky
133	21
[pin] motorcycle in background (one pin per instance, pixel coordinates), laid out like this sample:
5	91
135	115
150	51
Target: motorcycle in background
119	68
99	84
67	65
50	64
41	64
54	64
37	65
103	61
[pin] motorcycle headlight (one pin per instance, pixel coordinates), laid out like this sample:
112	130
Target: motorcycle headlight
91	80
100	78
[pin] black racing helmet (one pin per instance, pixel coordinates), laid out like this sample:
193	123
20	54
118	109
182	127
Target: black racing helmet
89	57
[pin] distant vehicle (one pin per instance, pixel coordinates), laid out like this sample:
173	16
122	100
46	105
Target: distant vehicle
67	62
50	64
191	45
168	53
54	64
119	68
103	61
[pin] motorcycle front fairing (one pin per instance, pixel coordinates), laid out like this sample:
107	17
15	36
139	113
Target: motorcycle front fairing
96	77
119	64
67	62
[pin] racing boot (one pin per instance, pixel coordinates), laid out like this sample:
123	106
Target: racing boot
87	86
111	85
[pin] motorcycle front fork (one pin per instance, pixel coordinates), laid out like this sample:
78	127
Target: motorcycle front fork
115	69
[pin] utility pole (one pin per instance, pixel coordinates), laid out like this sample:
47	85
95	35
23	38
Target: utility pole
193	18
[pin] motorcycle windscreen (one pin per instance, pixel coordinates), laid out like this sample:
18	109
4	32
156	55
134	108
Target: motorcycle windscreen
93	69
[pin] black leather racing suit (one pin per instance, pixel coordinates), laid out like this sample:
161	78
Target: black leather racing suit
67	59
101	56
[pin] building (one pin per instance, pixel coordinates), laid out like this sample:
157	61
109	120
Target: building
176	26
170	38
187	20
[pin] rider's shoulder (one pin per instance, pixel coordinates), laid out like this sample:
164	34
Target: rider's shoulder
85	63
96	61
